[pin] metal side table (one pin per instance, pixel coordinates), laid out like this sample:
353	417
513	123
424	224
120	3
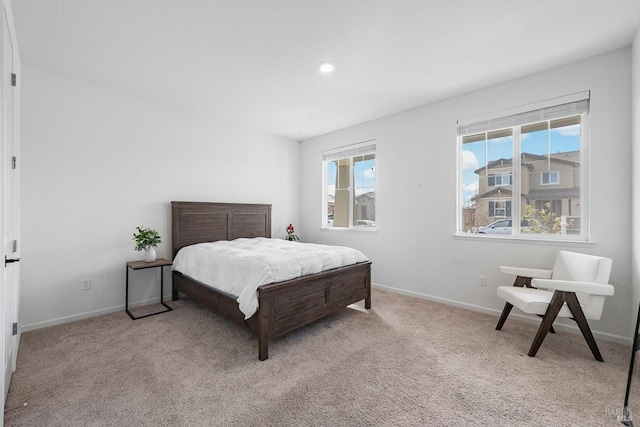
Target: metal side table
140	265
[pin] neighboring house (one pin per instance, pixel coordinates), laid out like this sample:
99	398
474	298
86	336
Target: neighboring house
548	182
366	206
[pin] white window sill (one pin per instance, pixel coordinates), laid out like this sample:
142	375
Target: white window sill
525	240
348	230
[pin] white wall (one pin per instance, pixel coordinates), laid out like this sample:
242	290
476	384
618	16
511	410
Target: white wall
97	162
414	249
635	123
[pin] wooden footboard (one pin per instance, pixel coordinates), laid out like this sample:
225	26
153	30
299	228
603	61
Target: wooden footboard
286	306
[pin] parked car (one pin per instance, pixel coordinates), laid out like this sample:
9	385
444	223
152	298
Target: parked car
502	226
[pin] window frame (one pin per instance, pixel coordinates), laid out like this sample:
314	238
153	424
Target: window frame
502	176
350	152
548	173
507	209
584	235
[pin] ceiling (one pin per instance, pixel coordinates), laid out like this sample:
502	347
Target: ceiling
254	62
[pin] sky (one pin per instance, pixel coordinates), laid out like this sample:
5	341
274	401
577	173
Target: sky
477	154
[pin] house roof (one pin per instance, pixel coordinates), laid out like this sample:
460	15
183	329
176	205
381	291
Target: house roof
554	193
544	194
369	195
556	157
568	155
499	191
501	162
562	158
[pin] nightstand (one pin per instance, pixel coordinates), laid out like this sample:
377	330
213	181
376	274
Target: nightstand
140	265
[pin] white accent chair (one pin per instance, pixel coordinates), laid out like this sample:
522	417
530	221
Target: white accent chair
575	288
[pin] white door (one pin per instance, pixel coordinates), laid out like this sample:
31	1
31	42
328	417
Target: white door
9	210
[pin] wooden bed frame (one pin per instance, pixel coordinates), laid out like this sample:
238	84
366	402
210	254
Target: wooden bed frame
283	306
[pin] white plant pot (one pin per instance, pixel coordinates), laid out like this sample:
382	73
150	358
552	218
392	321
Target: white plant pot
149	254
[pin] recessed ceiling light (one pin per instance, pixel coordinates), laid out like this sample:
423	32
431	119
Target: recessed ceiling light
326	67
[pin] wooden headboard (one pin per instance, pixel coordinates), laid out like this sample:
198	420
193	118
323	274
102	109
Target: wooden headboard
197	222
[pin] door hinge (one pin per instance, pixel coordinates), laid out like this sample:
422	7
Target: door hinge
14	328
14	79
14	162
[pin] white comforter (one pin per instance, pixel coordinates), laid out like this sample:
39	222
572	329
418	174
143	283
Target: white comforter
238	267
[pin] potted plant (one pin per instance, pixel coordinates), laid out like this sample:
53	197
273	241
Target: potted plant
147	239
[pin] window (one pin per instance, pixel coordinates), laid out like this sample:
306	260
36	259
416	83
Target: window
550	177
500	208
546	188
499	179
350	187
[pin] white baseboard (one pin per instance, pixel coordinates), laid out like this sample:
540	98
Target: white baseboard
531	319
88	314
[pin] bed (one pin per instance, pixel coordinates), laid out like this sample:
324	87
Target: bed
282	306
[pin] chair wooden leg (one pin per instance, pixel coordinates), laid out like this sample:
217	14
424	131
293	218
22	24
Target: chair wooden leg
503	317
578	315
555	305
553	331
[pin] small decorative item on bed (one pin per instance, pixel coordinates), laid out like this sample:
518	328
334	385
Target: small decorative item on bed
146	240
290	236
282	286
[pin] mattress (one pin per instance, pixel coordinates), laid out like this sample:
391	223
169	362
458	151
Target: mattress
240	266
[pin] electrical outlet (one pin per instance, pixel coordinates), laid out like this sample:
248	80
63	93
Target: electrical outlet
482	280
86	284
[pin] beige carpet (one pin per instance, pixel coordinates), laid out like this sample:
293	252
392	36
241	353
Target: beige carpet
407	362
